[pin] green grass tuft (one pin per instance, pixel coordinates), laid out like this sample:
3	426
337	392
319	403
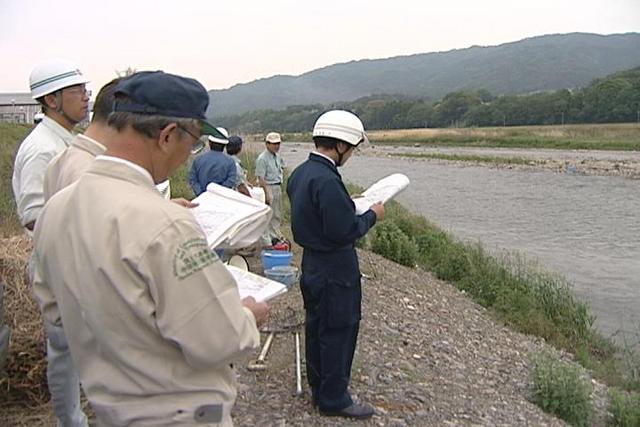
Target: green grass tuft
561	389
624	408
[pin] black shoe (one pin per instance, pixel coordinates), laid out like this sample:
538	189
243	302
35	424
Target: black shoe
355	410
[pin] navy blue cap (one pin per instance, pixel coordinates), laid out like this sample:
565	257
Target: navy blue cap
163	94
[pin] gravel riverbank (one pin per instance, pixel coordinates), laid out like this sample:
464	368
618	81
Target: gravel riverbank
427	356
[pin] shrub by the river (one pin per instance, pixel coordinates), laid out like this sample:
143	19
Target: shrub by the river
389	241
624	408
562	389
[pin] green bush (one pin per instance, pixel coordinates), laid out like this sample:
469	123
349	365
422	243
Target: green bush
11	135
439	253
389	241
624	408
560	388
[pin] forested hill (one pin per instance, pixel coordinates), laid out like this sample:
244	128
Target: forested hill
560	61
612	99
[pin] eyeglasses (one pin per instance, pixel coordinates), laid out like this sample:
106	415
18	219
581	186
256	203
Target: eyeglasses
197	146
79	90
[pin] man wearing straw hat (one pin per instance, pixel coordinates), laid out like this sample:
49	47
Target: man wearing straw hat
270	174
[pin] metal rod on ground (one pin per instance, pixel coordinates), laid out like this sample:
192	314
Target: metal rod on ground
259	364
298	369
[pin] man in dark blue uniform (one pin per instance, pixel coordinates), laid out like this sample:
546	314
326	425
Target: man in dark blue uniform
324	223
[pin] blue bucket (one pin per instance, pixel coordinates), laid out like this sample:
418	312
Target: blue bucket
285	274
272	259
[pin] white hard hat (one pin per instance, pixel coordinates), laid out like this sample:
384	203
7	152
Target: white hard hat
224	141
53	75
341	125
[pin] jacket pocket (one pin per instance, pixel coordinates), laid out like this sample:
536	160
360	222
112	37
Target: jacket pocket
342	303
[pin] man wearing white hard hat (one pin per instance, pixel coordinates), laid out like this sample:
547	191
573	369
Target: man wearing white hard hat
214	166
270	173
59	86
325	224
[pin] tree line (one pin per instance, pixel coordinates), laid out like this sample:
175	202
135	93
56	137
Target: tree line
613	99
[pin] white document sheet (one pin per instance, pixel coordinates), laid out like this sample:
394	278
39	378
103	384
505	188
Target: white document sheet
230	219
383	190
253	285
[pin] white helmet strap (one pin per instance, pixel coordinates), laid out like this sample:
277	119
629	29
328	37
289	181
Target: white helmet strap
59	109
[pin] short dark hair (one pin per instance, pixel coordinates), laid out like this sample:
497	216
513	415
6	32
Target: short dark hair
148	125
103	105
326	141
215	146
234	146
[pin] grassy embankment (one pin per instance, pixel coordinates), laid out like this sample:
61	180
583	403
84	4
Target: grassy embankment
10	136
517	292
498	160
624	136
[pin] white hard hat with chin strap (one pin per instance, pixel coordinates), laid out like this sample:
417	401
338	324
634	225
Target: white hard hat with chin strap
343	126
52	76
216	140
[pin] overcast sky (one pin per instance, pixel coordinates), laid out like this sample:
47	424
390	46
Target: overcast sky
222	43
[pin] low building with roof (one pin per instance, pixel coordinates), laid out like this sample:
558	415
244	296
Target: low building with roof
18	107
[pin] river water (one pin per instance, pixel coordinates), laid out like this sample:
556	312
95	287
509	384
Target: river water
585	227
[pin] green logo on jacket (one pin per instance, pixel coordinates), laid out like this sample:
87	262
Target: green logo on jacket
191	257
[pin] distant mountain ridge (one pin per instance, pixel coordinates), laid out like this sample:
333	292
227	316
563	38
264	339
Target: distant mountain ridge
549	62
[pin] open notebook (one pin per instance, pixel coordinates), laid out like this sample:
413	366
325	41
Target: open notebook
230	219
258	287
381	191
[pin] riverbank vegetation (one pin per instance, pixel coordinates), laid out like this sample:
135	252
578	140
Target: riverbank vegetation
496	160
10	137
561	389
623	136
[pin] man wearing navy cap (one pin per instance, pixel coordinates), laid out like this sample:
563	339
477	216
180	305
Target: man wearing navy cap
152	316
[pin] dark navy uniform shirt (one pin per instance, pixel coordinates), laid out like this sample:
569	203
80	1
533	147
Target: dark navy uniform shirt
323	217
212	166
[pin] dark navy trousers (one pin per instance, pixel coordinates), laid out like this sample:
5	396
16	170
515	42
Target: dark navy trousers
332	306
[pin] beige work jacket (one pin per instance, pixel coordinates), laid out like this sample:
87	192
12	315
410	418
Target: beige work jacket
66	167
152	316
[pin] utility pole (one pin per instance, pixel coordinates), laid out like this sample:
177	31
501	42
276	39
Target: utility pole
562	118
504	120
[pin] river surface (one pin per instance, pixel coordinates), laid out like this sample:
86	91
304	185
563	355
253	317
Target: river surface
585	227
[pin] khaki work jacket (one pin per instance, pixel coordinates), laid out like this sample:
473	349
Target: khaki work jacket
152	316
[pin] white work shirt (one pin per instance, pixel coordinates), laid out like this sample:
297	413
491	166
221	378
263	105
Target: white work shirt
47	140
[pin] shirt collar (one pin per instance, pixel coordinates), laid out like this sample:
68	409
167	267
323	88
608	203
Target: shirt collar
90	145
132	165
58	129
325	156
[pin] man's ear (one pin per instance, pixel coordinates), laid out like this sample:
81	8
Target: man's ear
168	133
51	101
343	147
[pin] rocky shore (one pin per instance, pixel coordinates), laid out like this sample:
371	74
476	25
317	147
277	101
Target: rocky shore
427	356
585	162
